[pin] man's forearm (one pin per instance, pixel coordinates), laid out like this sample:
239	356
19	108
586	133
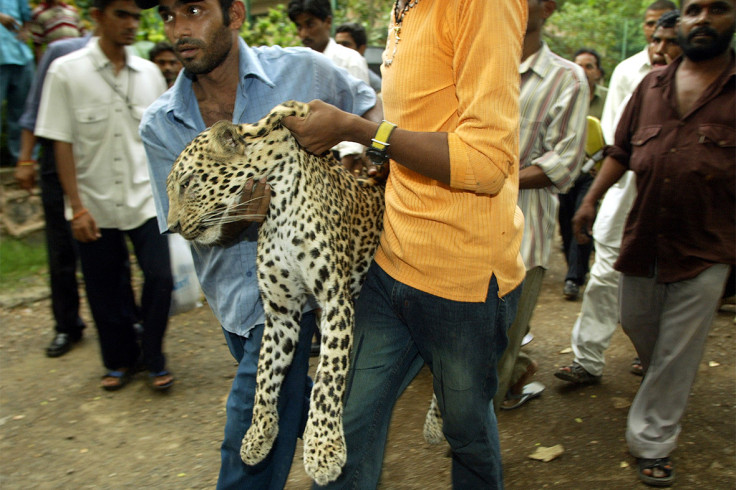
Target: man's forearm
67	171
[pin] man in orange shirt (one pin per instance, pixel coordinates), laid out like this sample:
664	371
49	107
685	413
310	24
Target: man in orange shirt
444	284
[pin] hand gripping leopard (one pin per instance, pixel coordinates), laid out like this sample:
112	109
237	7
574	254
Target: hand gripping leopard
319	237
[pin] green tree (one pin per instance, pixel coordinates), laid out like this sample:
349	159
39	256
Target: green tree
374	15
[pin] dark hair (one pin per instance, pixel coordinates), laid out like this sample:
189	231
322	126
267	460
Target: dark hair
101	4
158	48
669	19
595	54
356	31
319	8
662	5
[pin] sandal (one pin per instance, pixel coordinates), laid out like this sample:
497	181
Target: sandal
662	465
576	374
636	367
121	377
155	379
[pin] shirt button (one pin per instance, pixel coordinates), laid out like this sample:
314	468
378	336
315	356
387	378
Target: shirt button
667	180
673	150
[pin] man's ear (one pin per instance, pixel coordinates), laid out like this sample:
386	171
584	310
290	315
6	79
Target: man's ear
96	14
328	21
237	14
549	8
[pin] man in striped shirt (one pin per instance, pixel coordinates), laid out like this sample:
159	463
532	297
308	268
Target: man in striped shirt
554	105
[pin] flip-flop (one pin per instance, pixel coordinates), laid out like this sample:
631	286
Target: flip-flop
122	377
530	391
661	464
161	387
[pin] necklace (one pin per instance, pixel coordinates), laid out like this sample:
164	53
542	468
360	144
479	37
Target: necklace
396	27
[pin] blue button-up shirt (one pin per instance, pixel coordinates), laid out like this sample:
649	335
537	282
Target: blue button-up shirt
13	51
268	77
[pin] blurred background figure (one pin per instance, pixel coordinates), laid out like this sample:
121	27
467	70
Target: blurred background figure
352	35
51	21
163	55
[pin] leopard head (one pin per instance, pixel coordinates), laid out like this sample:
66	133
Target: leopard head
206	181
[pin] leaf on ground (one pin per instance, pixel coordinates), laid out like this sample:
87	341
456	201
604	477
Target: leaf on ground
547	454
619	402
566	350
623	464
714	364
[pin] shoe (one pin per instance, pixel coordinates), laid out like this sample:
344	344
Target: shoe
663	466
636	367
571	290
121	379
576	374
161	386
61	344
531	390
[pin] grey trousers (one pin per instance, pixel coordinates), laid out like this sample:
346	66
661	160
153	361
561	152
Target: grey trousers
668	325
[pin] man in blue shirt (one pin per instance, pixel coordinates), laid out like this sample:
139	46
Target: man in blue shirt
16	66
226	79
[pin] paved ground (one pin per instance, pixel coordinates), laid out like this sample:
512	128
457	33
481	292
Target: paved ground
58	429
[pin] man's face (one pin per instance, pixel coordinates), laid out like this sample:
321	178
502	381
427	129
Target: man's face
650	22
169	65
590	65
706	28
313	32
346	40
664	46
197	31
118	23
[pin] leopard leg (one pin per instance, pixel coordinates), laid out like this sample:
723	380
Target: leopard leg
325	452
280	336
433	423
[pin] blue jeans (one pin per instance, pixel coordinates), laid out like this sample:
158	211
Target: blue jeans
397	330
15	82
293	407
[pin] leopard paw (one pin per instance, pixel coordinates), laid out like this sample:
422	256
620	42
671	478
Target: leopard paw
258	441
324	456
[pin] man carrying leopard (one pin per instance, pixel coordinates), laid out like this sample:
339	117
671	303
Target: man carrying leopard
226	79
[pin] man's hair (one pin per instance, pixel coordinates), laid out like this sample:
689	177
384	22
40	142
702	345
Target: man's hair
356	31
669	19
662	5
319	8
158	48
593	53
101	4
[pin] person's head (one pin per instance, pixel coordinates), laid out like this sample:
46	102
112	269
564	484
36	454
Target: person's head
313	20
163	55
590	61
652	14
539	12
117	21
202	32
664	46
706	28
352	35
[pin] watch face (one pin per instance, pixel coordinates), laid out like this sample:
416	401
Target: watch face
377	156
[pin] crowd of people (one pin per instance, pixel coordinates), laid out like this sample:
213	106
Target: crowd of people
493	143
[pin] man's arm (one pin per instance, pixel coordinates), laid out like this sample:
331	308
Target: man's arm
582	222
83	224
25	168
565	136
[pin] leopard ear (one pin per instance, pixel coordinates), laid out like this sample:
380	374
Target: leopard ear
228	137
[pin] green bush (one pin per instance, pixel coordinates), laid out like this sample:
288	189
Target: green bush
19	258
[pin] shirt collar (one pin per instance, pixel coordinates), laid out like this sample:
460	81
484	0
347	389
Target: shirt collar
539	62
101	61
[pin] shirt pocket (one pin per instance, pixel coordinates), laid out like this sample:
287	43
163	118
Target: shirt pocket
643	143
92	122
715	151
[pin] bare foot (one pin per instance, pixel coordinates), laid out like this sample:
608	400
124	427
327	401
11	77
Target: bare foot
518	387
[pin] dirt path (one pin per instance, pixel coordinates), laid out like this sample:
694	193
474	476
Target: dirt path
58	429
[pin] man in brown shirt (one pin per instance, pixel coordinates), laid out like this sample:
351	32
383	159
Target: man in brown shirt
678	134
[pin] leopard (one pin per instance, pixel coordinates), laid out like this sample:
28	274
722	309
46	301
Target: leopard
318	239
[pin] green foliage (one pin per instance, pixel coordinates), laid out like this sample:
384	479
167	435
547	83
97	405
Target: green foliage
20	259
273	29
611	28
374	15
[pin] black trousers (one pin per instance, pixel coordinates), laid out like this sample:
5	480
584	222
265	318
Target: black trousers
104	262
60	246
577	256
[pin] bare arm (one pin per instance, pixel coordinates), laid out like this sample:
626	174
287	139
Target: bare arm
326	125
25	173
582	222
83	224
533	177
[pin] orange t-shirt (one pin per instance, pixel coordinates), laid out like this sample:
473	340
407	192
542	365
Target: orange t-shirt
456	70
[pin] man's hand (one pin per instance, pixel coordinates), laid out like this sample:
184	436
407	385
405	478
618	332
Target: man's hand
582	223
314	132
84	228
9	22
252	208
25	176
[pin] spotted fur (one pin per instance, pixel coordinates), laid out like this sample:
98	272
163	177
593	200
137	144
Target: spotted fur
319	236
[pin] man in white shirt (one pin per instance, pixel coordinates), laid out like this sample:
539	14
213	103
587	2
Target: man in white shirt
598	317
91	106
313	20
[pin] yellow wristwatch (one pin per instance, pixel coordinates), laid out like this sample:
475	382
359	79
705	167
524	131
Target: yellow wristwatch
378	151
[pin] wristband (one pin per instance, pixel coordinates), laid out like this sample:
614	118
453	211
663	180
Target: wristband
80	214
23	163
378	151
